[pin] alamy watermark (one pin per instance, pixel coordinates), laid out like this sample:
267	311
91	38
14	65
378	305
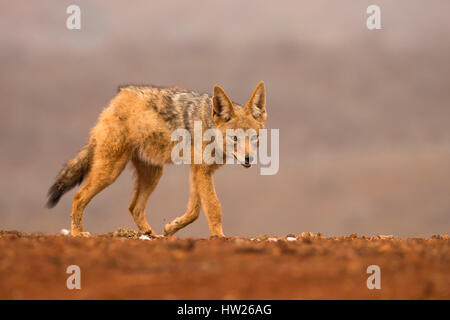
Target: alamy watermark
74	280
236	146
73	21
374	280
373	22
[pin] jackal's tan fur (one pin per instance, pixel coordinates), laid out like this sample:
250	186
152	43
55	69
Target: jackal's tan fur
137	127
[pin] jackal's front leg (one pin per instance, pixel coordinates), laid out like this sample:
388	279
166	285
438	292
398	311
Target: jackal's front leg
211	205
193	208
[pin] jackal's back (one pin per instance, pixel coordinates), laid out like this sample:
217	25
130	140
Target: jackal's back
176	107
143	117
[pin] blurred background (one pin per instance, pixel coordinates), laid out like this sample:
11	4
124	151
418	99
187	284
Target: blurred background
363	115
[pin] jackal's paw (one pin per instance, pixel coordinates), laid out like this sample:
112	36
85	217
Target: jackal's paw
81	234
84	234
218	235
168	231
153	235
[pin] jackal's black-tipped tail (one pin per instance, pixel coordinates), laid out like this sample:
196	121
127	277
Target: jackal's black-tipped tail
72	174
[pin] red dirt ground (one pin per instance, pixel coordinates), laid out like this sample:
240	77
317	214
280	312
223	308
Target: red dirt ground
118	266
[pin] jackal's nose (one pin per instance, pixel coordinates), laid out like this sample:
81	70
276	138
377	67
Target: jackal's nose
248	159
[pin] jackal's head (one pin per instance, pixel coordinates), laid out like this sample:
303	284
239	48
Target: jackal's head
240	125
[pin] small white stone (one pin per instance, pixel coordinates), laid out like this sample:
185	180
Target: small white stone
144	238
291	239
386	236
272	239
65	232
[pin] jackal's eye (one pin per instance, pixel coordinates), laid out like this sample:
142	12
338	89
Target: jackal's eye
234	138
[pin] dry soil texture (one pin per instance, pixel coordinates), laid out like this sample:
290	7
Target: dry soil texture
119	265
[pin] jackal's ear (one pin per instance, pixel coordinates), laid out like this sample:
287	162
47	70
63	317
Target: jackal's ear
256	105
222	106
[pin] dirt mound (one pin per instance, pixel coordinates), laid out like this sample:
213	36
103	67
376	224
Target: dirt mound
124	233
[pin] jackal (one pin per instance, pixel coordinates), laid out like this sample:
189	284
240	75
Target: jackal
137	126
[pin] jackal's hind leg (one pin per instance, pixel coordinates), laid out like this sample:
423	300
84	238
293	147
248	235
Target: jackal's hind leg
193	209
147	178
103	172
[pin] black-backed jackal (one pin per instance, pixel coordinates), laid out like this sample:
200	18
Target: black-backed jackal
137	126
